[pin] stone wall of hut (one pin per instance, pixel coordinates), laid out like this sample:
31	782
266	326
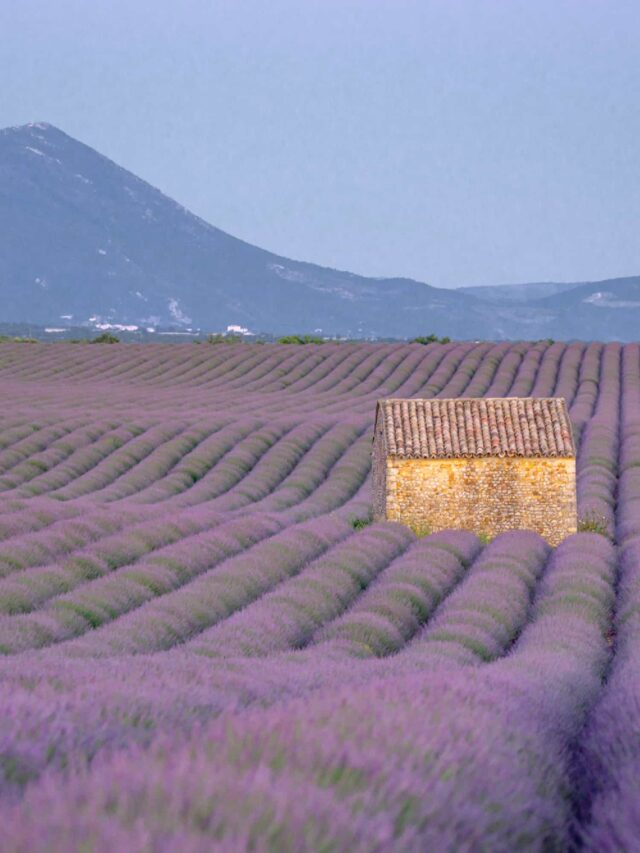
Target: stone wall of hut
379	476
487	495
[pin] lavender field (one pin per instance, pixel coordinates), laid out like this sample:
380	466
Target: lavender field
207	647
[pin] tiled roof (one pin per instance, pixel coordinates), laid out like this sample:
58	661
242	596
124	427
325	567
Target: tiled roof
498	426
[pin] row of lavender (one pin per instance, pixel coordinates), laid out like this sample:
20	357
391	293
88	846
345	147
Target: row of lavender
438	694
608	759
462	738
215	466
123	454
287	380
548	638
230	465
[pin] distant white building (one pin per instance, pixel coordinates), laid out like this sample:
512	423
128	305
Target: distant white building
115	327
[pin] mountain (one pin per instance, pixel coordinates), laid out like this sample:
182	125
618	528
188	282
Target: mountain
85	242
83	238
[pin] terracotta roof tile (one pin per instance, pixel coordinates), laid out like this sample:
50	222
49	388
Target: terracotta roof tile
468	427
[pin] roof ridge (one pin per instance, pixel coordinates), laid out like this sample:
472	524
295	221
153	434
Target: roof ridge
445	428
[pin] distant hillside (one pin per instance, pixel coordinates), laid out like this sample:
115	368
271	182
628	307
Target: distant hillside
517	293
591	309
84	242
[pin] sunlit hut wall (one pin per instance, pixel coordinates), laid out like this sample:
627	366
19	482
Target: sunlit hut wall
486	465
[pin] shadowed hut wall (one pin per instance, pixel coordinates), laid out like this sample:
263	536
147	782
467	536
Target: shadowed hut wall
379	476
487	495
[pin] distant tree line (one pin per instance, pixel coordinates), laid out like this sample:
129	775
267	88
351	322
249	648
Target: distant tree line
430	339
300	339
222	338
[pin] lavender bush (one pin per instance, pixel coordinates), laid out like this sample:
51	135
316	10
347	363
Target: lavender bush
199	651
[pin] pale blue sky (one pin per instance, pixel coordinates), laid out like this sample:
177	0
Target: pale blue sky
459	142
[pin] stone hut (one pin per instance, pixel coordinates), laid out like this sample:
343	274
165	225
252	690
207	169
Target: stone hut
486	465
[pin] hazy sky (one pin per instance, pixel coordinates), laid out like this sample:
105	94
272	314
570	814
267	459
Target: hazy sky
457	142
